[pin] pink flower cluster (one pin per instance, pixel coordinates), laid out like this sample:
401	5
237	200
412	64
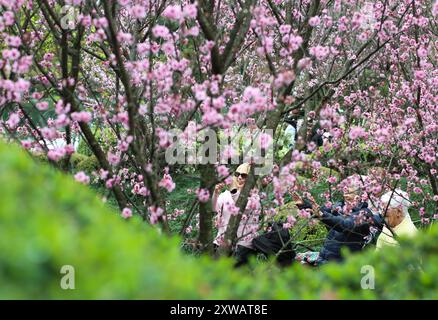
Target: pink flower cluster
284	79
56	154
123	145
356	133
290	222
167	183
332	179
253	100
13	91
140	189
126	213
26	144
13	121
155	213
222	171
125	38
319	52
304	63
11	54
138	11
265	140
203	195
13	41
304	214
253	203
160	31
174	12
42	106
314	21
8	17
176	213
232	208
163	137
113	158
81	177
211	117
82	116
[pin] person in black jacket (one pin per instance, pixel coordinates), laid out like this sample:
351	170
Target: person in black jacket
351	231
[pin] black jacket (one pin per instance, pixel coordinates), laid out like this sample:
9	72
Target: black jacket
270	243
347	231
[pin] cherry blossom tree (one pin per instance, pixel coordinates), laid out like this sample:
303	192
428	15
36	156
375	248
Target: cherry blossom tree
362	71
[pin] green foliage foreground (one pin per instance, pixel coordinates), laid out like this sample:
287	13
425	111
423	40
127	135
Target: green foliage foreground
47	220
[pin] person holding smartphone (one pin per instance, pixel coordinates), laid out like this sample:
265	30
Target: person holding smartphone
225	205
349	222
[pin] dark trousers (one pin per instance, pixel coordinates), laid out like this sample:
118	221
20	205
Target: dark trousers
242	255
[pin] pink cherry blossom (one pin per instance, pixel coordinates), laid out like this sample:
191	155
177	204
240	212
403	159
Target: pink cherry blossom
81	177
265	140
303	214
356	132
56	154
190	11
43	105
13	121
13	41
314	21
304	63
155	214
332	179
82	116
362	74
138	11
113	158
435	9
167	183
174	12
418	190
126	213
26	144
69	149
319	52
203	195
222	171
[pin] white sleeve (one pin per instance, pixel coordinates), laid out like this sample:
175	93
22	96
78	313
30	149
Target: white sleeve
223	214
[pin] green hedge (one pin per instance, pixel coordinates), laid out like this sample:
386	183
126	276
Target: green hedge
305	235
105	137
77	158
88	164
47	220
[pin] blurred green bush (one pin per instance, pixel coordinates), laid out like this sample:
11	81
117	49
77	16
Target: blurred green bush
47	220
106	138
88	164
305	234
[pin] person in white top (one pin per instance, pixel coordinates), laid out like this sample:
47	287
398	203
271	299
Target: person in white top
225	206
290	132
397	217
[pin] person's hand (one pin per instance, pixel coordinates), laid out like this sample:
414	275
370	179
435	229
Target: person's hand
315	207
218	188
266	180
297	199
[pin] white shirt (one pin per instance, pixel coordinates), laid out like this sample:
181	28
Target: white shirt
406	229
289	133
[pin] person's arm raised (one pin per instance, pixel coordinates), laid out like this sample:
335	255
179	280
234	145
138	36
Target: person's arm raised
216	192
